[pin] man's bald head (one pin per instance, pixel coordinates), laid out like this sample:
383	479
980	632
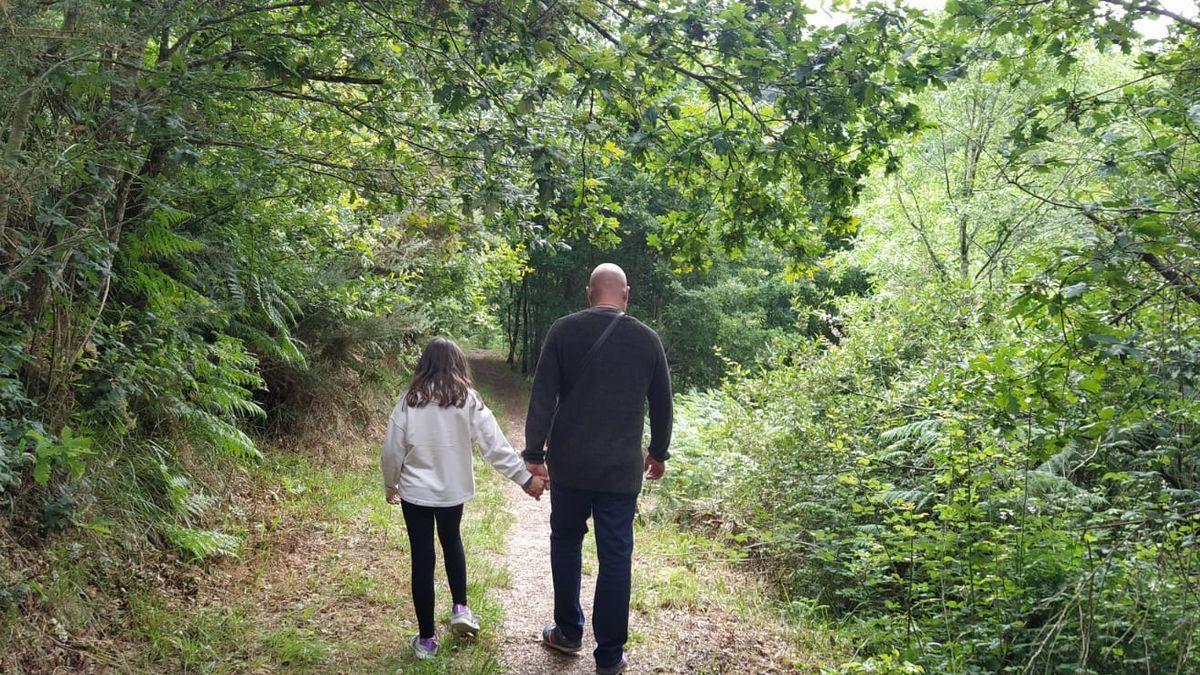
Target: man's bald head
608	286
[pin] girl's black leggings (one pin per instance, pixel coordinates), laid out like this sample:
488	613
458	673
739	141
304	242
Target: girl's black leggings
420	521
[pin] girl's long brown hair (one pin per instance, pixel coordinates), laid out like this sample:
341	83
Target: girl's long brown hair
442	376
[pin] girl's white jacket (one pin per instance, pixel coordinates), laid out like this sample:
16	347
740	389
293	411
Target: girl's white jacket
427	451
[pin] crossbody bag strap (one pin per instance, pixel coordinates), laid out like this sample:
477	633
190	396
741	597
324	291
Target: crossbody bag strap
583	366
591	353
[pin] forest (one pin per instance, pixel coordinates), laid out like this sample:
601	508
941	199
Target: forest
928	280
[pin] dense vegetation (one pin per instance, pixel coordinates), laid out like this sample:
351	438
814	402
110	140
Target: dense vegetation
996	470
932	280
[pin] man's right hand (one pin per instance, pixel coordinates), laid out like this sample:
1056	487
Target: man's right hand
538	470
534	487
654	468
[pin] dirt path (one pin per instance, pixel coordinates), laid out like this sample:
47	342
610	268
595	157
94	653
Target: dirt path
681	620
528	600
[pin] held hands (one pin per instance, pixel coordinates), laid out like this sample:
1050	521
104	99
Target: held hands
535	486
539	482
541	476
538	470
654	468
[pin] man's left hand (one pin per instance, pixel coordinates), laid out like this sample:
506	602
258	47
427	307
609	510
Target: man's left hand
654	468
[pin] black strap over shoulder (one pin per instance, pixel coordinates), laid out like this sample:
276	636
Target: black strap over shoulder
591	353
583	366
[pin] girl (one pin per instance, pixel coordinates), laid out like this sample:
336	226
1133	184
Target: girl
427	470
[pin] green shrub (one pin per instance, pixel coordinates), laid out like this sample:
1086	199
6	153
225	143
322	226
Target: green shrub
68	452
961	503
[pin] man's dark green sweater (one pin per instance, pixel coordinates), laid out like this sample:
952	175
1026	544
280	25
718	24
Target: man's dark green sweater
596	443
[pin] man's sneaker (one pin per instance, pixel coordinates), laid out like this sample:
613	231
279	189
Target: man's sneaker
614	670
425	648
553	638
463	621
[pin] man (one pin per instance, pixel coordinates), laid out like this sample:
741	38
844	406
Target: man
597	371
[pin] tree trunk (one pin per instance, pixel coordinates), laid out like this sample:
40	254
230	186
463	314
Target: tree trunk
510	325
525	325
964	251
20	122
22	111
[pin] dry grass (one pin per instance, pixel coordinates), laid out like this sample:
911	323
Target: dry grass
328	417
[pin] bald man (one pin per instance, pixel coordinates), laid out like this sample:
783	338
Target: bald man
599	371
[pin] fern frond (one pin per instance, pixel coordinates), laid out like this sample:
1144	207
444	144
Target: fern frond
289	351
222	435
186	501
233	284
158	237
233	400
163	292
281	307
286	349
918	498
1059	464
199	545
919	434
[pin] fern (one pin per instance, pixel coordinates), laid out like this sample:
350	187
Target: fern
285	348
198	545
917	497
227	379
223	435
233	285
289	351
163	292
159	237
1060	463
277	305
915	435
266	316
185	501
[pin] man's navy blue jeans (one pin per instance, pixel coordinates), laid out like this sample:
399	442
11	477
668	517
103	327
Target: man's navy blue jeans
612	515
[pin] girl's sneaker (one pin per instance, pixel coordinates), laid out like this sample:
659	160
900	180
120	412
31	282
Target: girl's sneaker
463	621
425	648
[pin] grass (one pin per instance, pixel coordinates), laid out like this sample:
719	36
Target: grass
322	583
684	570
297	647
195	640
682	574
318	582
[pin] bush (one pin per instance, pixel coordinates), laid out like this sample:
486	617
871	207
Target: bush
964	494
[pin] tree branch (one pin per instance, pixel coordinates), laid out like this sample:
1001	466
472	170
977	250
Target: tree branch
1152	8
345	79
1181	280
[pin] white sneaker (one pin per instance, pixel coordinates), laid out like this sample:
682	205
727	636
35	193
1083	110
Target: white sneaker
424	649
463	621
